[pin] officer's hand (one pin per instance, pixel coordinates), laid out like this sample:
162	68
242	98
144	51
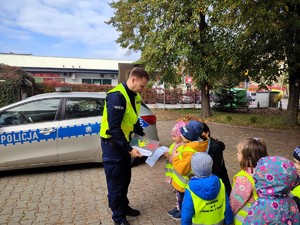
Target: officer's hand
135	153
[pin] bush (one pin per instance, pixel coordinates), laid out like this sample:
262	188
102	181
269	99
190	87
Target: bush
253	119
228	118
15	83
49	86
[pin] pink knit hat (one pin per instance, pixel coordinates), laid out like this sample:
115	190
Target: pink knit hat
176	129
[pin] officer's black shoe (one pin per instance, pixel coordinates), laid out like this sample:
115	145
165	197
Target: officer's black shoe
122	222
132	212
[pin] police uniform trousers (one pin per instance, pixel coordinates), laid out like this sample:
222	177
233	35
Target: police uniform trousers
117	167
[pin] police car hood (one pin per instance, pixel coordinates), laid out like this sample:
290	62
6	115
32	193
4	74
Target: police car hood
206	188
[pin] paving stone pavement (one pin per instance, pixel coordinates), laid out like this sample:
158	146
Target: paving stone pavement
77	194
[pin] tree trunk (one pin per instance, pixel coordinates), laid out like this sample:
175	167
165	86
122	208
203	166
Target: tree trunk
205	103
293	54
293	102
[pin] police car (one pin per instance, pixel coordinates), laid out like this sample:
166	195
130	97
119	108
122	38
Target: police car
57	129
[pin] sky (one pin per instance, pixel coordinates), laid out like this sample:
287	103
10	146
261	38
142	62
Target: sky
61	28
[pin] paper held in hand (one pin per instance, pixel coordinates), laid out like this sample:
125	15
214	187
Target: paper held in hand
156	155
149	148
145	145
144	152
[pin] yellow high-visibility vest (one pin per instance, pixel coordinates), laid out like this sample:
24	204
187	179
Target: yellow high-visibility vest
296	191
130	117
179	180
169	168
209	212
243	212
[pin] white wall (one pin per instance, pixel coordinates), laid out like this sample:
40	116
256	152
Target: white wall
263	99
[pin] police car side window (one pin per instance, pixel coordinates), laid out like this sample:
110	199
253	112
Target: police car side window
32	112
83	107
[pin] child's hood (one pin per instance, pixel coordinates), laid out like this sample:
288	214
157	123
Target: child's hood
199	146
206	188
216	145
274	176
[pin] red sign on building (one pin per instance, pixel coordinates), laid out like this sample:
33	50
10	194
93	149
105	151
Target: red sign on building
46	75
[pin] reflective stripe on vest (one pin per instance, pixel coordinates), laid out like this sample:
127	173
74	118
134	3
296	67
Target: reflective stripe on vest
181	180
243	212
130	116
169	169
209	212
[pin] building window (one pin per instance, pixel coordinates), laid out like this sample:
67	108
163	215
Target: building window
97	81
87	81
106	81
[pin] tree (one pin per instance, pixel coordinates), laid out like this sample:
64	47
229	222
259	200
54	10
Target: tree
266	37
215	41
172	35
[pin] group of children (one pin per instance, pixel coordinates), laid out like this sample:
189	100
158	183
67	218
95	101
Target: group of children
265	191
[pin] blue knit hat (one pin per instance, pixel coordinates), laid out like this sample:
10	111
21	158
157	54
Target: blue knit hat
192	131
296	153
201	164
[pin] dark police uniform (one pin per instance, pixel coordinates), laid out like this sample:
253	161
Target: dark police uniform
116	148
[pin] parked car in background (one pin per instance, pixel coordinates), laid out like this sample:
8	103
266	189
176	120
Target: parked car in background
57	129
186	99
198	98
166	98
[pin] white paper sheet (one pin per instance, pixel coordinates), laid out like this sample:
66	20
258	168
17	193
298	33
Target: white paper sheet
151	160
144	152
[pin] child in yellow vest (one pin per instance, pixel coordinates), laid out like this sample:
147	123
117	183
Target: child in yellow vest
190	134
205	199
176	137
296	191
243	192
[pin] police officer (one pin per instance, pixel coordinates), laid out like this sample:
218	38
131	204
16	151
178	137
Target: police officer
119	122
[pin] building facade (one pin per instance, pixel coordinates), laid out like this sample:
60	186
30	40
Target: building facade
68	70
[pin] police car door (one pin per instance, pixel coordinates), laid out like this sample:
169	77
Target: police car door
78	132
28	133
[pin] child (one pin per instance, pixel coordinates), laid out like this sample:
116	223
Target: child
176	137
296	191
190	134
169	169
243	193
274	177
215	150
205	199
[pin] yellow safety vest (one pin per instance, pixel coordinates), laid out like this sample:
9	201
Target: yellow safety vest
130	117
296	192
169	168
209	212
243	212
182	180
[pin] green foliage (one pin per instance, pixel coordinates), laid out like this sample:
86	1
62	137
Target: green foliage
268	118
253	119
228	118
263	37
213	41
13	81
